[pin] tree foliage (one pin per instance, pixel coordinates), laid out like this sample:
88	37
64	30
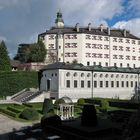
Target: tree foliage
4	58
35	52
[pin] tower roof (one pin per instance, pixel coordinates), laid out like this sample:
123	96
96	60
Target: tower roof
59	18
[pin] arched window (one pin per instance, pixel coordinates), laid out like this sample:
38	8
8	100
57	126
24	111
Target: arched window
106	75
67	74
82	74
75	74
95	75
101	75
88	75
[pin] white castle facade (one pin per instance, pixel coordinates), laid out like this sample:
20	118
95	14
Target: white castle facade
91	46
110	61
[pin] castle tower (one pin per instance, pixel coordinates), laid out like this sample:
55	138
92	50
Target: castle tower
59	21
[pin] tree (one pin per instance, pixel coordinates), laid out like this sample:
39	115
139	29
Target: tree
52	56
35	52
4	58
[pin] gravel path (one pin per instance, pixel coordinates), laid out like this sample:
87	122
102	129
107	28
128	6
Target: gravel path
7	125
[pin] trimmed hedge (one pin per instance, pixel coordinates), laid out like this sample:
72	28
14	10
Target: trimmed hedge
13	109
7	112
47	106
29	114
13	82
124	104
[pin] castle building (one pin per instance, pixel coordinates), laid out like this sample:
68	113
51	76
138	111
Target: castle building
91	62
91	45
78	81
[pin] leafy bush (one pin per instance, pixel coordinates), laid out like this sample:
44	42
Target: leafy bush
13	82
29	114
81	101
47	106
89	117
28	105
52	120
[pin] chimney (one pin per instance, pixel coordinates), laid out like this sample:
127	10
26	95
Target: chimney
101	27
124	32
108	31
77	27
89	26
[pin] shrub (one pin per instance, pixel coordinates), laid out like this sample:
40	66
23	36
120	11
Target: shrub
89	117
47	106
28	105
52	120
29	114
81	101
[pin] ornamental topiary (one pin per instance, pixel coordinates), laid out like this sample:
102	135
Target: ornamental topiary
81	101
104	105
50	120
47	106
89	117
29	114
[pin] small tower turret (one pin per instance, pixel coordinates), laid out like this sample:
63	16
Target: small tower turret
59	20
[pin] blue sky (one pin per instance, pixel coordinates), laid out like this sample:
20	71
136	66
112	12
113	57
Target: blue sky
22	20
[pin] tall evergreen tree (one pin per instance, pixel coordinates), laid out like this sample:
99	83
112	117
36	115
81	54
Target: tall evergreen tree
4	58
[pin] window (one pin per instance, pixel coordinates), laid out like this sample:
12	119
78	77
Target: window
127	40
75	83
133	42
112	83
88	63
131	83
121	40
134	65
106	55
95	84
59	59
55	74
100	63
114	47
59	47
95	75
127	57
68	83
127	65
75	74
115	56
106	64
117	84
106	47
120	56
88	84
114	39
122	83
127	84
120	48
101	83
51	37
115	64
133	57
82	74
121	65
88	75
82	84
99	37
106	83
106	38
67	74
127	48
94	63
88	36
136	84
